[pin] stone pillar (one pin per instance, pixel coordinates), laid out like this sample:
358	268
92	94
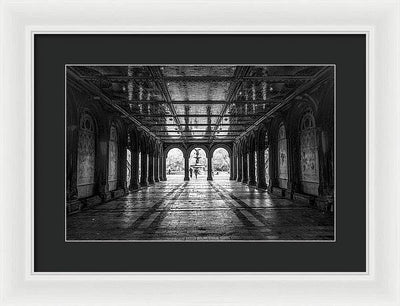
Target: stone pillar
244	168
233	165
231	168
239	168
164	167
134	184
186	178
72	160
143	178
209	168
151	168
122	165
156	171
251	166
102	167
261	169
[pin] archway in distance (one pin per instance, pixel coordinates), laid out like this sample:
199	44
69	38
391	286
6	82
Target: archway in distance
221	164
198	164
175	164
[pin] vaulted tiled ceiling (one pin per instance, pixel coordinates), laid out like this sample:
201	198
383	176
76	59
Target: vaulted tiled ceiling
196	103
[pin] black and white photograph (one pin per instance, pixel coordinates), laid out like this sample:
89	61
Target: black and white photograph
200	153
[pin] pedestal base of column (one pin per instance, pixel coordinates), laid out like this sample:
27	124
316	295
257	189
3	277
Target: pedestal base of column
209	178
134	186
289	194
262	186
252	183
144	184
106	196
186	178
151	181
325	203
239	180
74	206
157	180
244	181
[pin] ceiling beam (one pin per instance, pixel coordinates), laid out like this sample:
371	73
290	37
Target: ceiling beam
97	92
207	78
320	76
197	116
190	102
202	124
155	72
233	89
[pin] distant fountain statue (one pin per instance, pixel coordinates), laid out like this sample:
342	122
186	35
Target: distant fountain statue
197	157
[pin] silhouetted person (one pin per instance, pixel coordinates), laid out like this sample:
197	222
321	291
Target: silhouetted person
169	171
191	172
196	172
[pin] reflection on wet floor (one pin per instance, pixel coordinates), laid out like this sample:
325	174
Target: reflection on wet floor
201	210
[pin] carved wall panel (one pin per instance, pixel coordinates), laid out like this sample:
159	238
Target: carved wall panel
309	155
266	158
140	165
283	157
86	157
255	166
128	167
113	159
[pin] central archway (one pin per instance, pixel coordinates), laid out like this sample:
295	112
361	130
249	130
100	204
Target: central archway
175	164
198	164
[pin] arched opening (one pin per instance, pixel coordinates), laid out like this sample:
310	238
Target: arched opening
309	155
175	164
221	164
113	159
86	156
198	164
266	160
282	156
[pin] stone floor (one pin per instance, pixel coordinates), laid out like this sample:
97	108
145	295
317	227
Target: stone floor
200	210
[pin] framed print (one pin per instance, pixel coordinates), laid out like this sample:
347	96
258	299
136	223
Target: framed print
177	157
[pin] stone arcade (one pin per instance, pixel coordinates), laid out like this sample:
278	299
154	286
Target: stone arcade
275	122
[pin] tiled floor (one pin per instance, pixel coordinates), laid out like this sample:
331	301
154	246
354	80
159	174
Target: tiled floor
200	210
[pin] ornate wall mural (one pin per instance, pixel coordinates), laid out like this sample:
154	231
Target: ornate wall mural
140	165
282	153
86	156
128	167
309	153
266	158
255	166
113	159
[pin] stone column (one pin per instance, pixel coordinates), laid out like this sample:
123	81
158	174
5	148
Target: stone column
251	166
164	167
143	178
122	165
156	171
102	167
151	168
233	165
134	184
231	168
239	168
209	168
72	162
186	178
244	168
261	169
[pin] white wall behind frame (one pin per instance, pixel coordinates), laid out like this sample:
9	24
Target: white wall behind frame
20	18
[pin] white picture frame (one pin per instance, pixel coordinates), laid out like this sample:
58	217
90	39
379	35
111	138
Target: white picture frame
378	19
